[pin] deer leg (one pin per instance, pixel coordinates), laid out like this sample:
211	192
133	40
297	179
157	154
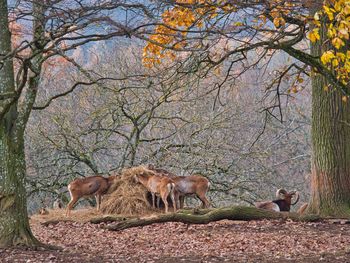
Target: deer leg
182	200
165	201
205	202
153	200
70	206
158	202
172	196
98	201
165	204
176	196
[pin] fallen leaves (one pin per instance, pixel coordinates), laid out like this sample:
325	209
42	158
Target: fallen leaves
255	241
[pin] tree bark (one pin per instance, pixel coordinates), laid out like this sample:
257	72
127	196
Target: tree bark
231	213
330	178
14	223
14	114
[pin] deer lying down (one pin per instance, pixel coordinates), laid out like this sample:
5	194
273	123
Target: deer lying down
89	186
157	184
282	204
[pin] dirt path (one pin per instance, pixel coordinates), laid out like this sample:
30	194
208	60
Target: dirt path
224	241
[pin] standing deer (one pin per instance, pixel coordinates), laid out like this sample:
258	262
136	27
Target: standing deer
282	204
186	186
195	184
89	186
157	184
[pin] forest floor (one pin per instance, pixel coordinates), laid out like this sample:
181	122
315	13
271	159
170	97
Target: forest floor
223	241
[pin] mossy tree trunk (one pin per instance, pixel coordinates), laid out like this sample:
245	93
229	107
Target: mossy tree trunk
206	216
14	113
330	179
14	224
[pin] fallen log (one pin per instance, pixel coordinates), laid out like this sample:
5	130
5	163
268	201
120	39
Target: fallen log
118	218
108	218
191	217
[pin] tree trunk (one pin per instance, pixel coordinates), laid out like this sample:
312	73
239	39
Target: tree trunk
231	213
330	179
14	224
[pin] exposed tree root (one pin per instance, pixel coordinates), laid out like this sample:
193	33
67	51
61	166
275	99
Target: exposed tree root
28	242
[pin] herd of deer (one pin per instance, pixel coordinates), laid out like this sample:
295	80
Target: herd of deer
163	184
159	182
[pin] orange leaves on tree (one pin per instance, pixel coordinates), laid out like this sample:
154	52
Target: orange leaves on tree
279	21
188	14
16	32
297	85
279	9
176	22
55	64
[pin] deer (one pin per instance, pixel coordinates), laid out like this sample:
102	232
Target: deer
157	185
89	186
282	204
195	184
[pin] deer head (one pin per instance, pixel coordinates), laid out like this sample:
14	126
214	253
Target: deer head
283	194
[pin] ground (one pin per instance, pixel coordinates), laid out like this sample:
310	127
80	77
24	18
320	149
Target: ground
224	241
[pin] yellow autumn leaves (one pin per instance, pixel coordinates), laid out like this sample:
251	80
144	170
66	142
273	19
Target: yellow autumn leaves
314	35
172	33
337	18
279	9
185	15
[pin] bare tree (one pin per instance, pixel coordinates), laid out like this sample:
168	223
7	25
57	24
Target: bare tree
176	122
58	27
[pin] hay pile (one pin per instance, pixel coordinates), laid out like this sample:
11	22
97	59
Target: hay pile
129	197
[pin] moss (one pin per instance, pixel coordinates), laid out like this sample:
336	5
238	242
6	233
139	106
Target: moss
231	213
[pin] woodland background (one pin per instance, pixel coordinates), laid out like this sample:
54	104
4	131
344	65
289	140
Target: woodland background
178	122
92	87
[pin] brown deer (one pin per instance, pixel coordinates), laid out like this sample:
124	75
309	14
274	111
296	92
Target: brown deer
282	204
89	186
157	185
195	184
